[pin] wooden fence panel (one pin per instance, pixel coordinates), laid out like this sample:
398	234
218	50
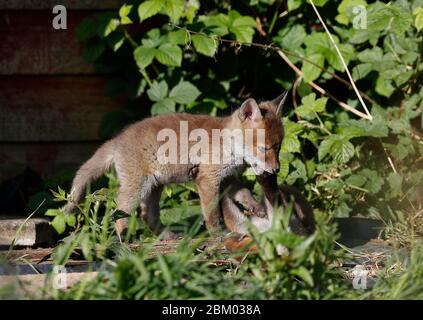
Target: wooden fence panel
52	108
30	45
69	4
46	159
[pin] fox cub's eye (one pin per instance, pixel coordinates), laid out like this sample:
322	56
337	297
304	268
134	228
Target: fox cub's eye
262	149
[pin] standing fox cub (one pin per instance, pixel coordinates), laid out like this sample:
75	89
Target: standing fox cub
144	162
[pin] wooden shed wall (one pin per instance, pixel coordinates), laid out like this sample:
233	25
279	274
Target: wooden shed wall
51	102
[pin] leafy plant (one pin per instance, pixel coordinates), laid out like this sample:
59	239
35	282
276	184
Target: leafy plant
168	56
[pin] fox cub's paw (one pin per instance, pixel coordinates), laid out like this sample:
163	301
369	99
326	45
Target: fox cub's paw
236	242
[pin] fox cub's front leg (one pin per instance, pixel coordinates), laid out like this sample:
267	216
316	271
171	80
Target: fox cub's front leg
208	191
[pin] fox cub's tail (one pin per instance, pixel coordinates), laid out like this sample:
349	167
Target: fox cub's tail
95	167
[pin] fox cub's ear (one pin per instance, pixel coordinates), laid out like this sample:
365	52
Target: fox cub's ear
279	102
250	110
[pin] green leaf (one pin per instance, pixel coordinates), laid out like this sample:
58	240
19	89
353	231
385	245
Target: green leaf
184	93
310	71
362	128
291	38
242	27
390	17
344	151
310	106
361	70
178	37
356	180
300	172
144	56
169	54
319	43
60	195
52	212
325	147
59	223
294	4
154	39
174	9
395	184
116	40
304	274
93	49
158	91
347	52
418	23
320	3
217	24
124	11
204	45
374	181
109	26
190	9
374	55
384	87
166	105
107	22
149	8
345	7
290	142
338	147
71	220
284	161
86	29
342	210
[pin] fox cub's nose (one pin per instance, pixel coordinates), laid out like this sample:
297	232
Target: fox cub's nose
275	169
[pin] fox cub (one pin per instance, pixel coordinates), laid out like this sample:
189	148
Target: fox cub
142	171
239	206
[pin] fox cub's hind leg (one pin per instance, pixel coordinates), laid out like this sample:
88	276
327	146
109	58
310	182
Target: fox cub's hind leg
127	201
150	209
133	190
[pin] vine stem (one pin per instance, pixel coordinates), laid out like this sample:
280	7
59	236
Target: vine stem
282	54
391	163
275	17
134	44
320	89
274	48
369	116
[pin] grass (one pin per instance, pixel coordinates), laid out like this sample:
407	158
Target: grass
286	266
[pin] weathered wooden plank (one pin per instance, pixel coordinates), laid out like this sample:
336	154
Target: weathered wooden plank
22	232
36	256
30	45
45	159
52	108
69	4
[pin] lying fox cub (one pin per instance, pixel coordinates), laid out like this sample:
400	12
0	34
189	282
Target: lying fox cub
239	206
135	154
